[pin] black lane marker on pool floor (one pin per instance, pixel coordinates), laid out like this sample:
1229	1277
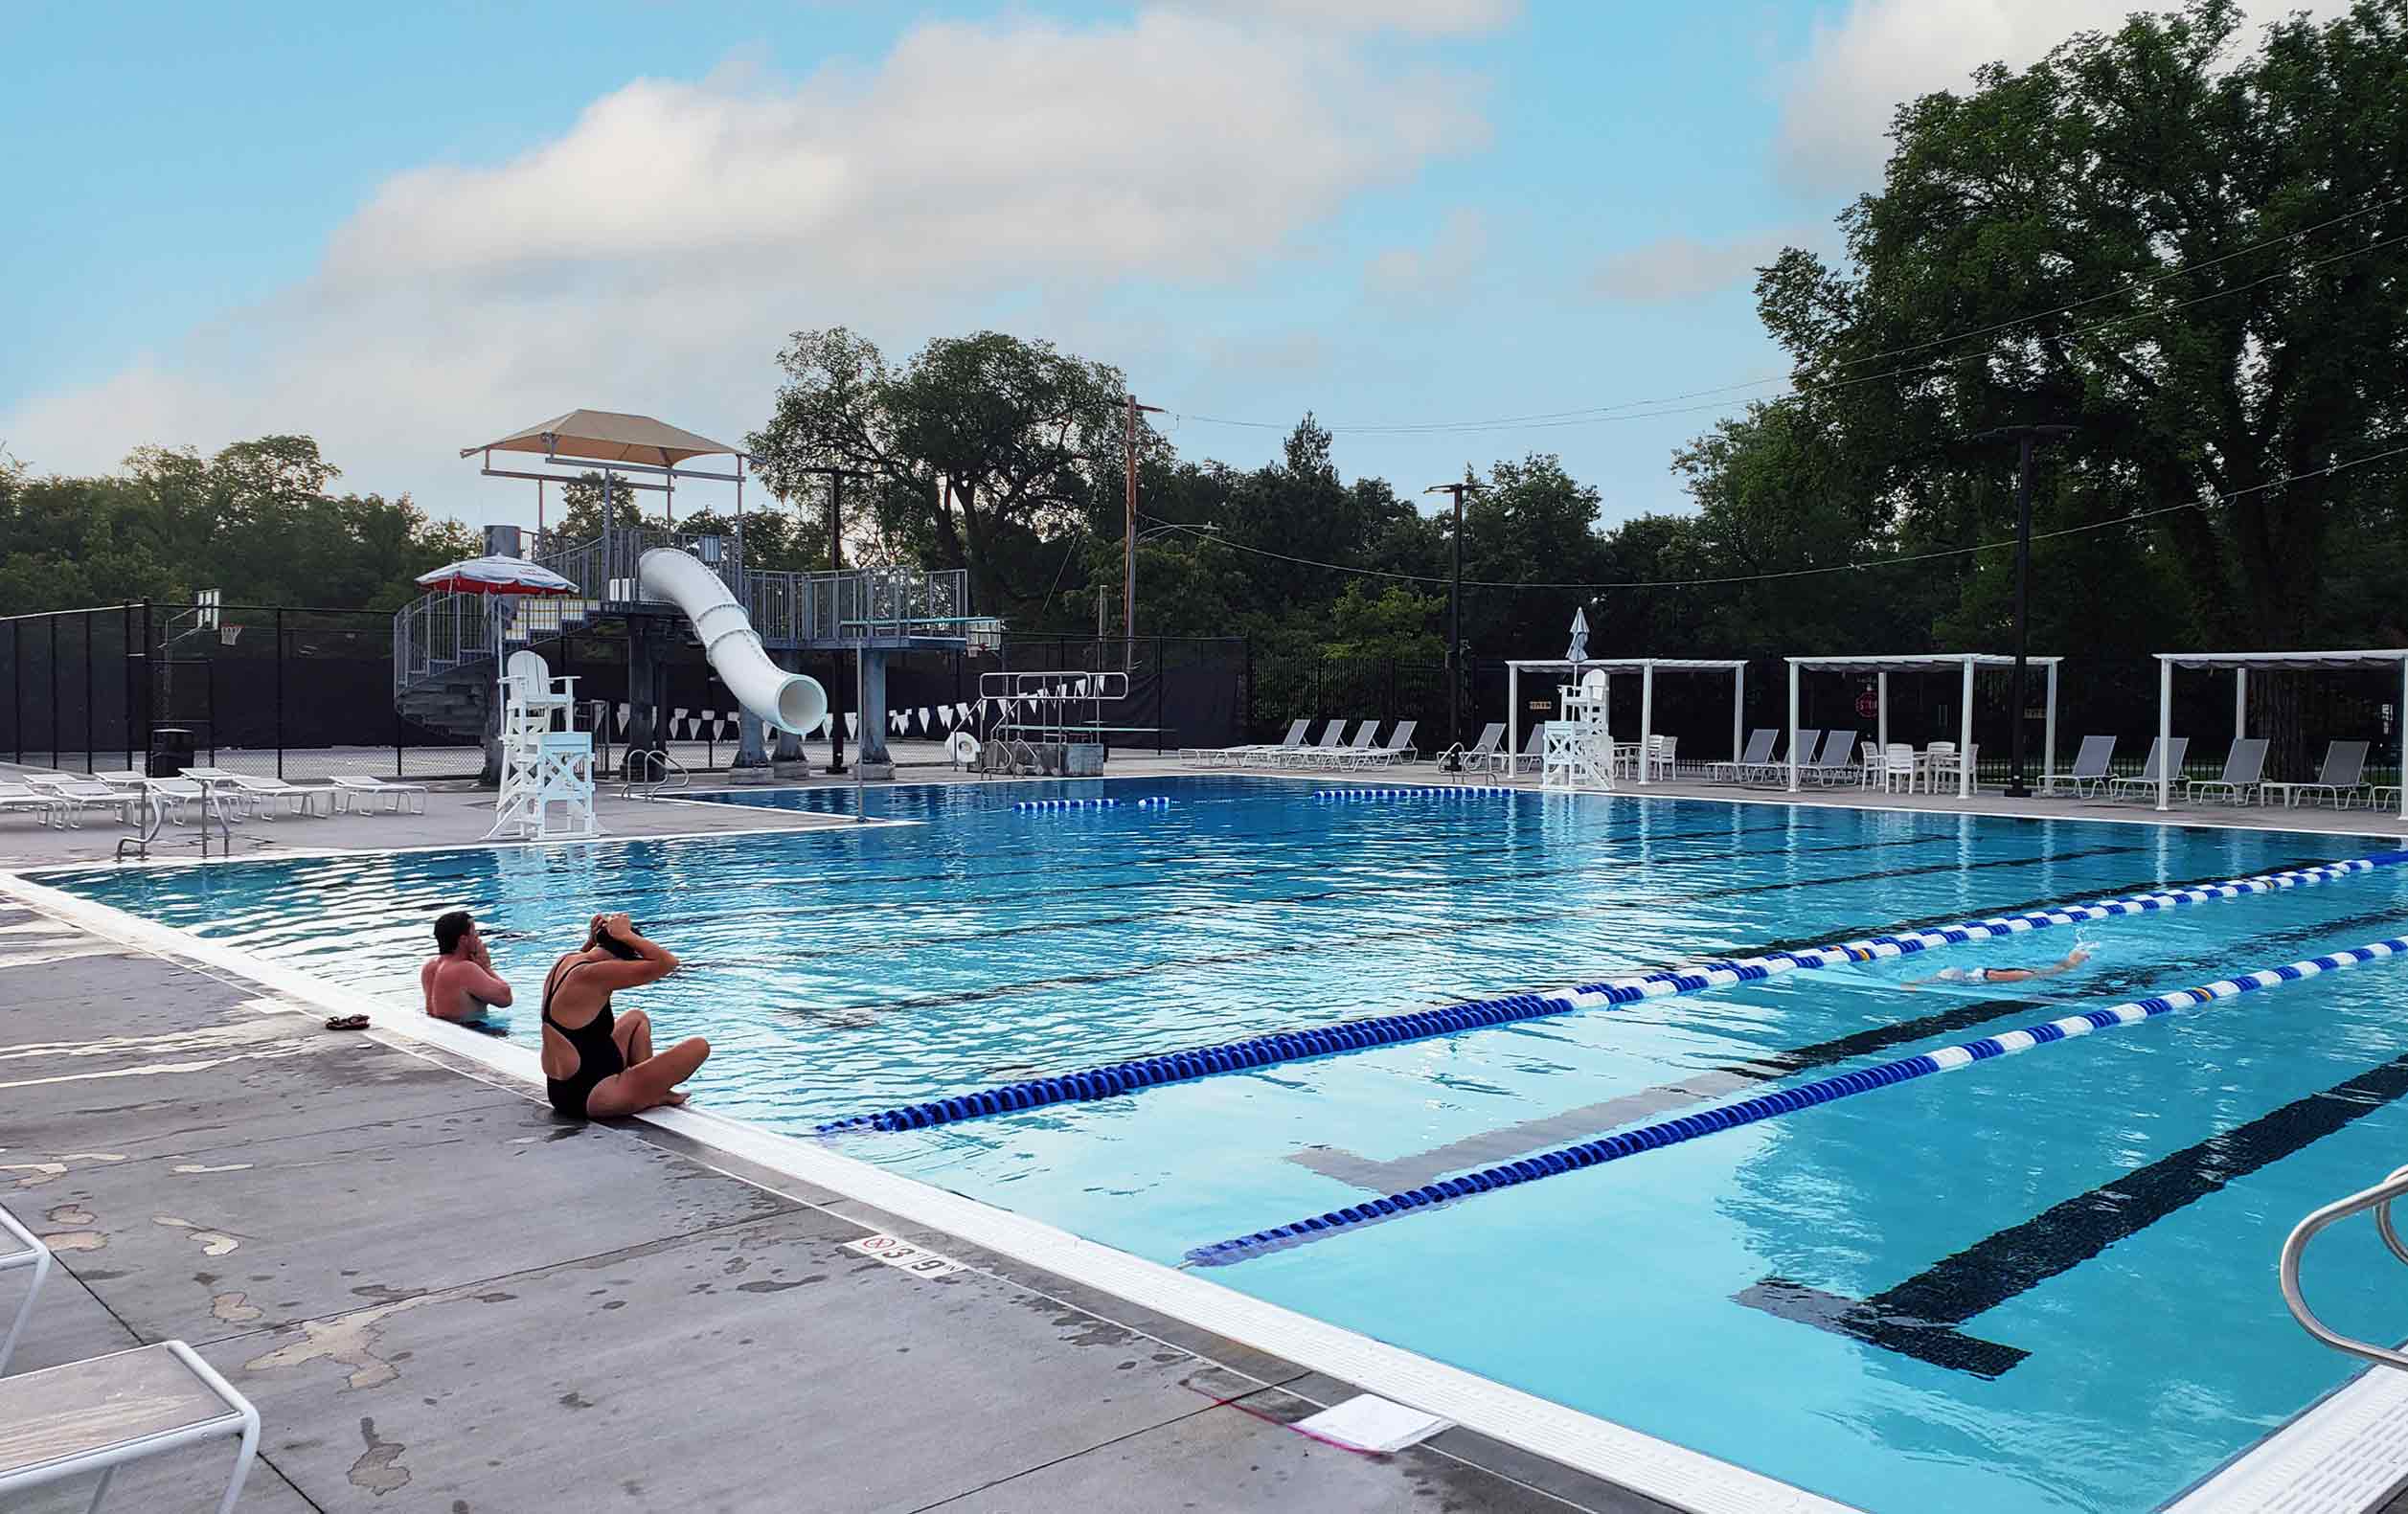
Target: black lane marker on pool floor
1426	930
1919	1317
1507	1143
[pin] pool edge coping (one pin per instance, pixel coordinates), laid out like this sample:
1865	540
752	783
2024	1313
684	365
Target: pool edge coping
1612	1454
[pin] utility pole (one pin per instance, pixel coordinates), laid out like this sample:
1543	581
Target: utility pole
1455	624
1128	545
2027	439
835	478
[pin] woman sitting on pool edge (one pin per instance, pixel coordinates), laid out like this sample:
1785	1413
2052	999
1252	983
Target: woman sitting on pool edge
597	1065
2072	960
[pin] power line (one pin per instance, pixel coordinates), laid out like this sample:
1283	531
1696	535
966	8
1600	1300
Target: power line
1634	409
1860	566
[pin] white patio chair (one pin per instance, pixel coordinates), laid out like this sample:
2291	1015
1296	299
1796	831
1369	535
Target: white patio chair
1661	756
2089	771
1893	766
1755	755
2340	778
26	1252
96	1415
2245	769
367	791
1951	765
2145	783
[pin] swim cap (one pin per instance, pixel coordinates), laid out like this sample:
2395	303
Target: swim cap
1952	975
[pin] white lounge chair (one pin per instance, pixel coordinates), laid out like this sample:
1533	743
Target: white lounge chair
95	1415
2339	780
1836	761
1802	751
26	1252
263	794
1476	755
1397	748
19	800
1352	753
2145	783
365	792
1213	756
1756	756
2089	771
76	795
2244	768
1333	735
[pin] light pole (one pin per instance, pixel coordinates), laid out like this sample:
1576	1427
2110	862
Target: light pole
2027	439
1455	626
1129	627
1128	545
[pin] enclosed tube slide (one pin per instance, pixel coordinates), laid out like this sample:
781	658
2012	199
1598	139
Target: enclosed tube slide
785	701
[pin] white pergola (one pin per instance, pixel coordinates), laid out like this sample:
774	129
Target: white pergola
2244	664
1966	663
1645	667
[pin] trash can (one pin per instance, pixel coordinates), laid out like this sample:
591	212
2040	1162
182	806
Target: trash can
171	751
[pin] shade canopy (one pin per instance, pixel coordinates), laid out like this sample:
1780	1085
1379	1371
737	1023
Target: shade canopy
1629	664
1916	663
2282	662
605	435
494	576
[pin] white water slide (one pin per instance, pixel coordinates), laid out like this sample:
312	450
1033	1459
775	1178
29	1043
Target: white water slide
779	700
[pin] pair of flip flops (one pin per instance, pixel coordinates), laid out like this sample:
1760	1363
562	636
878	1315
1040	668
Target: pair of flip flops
348	1022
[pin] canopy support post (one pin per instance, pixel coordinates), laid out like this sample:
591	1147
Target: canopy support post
1882	714
1512	718
1647	717
2165	729
1793	726
1964	747
1739	710
2048	737
2240	703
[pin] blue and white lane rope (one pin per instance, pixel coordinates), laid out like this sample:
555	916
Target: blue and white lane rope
1449	791
1353	1035
1030	805
1747	1112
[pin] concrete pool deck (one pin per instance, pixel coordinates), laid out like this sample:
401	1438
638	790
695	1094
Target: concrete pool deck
441	1296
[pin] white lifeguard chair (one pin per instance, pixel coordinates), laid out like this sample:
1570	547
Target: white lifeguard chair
1577	750
546	765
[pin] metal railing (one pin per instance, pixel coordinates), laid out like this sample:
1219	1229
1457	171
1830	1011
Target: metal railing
2378	1198
648	773
442	631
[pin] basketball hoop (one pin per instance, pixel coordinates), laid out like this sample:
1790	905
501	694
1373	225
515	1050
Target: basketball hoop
226	633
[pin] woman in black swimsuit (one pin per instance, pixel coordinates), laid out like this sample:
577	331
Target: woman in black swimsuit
598	1064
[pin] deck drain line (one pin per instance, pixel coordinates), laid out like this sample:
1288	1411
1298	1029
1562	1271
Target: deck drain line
1689	1127
1354	1035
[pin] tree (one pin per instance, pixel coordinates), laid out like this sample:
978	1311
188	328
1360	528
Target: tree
983	448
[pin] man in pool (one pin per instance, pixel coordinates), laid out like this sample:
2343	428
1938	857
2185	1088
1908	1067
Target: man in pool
458	980
2072	960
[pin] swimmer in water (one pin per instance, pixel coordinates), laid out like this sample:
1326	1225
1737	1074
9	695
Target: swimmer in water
2072	960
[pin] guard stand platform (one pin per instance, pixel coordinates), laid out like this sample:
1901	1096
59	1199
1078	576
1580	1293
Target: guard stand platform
546	767
1039	735
1577	751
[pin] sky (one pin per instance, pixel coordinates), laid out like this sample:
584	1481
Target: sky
410	230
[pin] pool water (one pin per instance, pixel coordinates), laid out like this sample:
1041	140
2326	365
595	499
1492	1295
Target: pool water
2045	1282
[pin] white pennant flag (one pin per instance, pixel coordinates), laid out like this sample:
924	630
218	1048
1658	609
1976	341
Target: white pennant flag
622	719
827	724
966	712
852	723
676	722
944	716
922	712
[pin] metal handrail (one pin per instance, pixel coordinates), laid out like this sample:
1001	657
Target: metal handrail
659	768
2379	1199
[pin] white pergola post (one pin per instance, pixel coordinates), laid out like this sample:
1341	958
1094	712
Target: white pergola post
2165	727
2047	737
1793	726
1739	710
1512	716
1647	714
1881	712
1964	747
2240	703
2404	739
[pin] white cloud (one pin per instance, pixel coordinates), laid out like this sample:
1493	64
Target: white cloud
1413	17
655	255
1460	244
1679	267
1838	98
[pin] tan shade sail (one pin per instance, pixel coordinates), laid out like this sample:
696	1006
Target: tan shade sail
606	436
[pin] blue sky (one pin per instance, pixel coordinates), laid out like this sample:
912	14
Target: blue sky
406	230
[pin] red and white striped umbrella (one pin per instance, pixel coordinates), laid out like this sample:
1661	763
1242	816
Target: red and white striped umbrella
495	576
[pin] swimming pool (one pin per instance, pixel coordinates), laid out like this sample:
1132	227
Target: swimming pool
2044	1281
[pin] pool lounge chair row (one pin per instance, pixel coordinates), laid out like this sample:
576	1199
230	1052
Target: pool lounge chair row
1333	750
63	799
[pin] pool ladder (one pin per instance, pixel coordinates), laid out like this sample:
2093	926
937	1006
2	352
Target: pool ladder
648	773
2378	1198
